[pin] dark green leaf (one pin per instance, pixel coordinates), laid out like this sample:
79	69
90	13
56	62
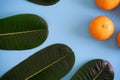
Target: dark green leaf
95	70
51	63
23	31
44	2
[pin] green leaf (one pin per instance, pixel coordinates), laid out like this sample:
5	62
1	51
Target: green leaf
23	31
44	2
51	63
97	69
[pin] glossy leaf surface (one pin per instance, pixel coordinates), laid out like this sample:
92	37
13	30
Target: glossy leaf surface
23	31
44	2
51	63
97	69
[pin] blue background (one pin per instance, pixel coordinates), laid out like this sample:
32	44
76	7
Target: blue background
68	22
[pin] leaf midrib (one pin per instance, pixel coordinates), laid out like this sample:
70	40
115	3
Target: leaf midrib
46	67
14	33
99	73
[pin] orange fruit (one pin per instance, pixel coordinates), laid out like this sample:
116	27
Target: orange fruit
118	39
107	4
101	28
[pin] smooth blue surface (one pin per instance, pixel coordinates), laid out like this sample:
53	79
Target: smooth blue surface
68	22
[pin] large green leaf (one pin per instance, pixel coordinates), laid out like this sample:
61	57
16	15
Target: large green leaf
44	2
23	31
51	63
95	70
